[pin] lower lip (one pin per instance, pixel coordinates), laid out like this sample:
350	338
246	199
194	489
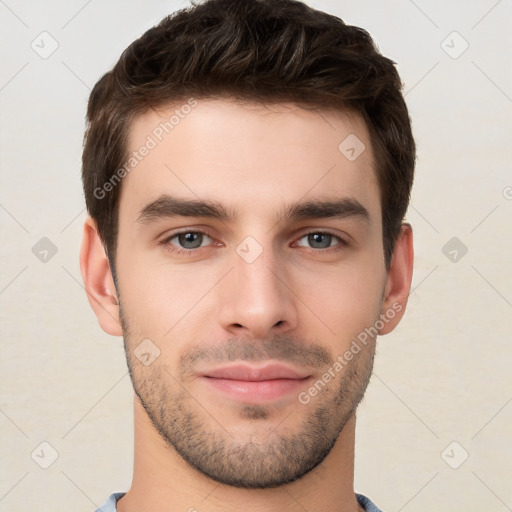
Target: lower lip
255	391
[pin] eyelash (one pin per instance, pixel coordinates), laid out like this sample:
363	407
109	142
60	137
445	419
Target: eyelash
173	249
188	252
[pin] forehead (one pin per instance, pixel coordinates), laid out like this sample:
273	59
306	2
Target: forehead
248	154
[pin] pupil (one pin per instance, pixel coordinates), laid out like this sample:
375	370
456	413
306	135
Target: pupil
190	240
320	240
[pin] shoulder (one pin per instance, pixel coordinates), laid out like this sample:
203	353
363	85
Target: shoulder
110	504
367	503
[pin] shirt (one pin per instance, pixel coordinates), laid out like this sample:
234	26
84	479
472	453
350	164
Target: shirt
110	504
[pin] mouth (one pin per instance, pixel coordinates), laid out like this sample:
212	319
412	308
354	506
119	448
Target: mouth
252	384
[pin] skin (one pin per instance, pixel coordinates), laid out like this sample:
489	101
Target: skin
299	302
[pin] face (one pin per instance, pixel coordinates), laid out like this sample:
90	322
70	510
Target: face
249	262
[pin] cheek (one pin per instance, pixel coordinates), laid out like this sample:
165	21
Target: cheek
346	300
160	300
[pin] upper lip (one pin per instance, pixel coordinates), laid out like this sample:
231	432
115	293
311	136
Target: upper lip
254	373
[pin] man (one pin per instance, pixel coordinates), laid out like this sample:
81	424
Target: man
247	167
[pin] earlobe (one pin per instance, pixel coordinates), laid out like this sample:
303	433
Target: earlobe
399	279
98	280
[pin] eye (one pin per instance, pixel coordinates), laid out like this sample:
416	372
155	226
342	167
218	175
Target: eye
188	240
320	240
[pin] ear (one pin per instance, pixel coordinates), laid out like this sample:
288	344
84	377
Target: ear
398	282
98	280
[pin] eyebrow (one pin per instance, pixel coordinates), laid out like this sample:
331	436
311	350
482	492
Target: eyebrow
167	206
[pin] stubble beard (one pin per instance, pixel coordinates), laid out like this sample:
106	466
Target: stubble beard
268	453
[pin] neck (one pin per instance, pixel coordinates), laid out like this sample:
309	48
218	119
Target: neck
164	482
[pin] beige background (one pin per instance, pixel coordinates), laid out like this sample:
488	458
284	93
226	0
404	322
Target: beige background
443	376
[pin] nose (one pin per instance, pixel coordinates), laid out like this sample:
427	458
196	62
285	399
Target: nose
256	300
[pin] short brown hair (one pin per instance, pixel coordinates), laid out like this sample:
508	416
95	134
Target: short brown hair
257	50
